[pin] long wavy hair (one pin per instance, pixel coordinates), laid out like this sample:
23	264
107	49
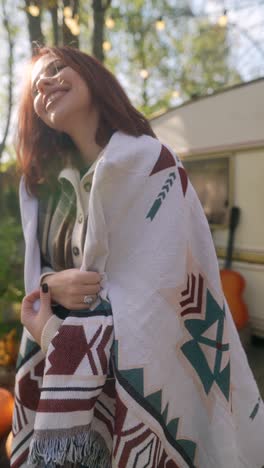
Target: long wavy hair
43	151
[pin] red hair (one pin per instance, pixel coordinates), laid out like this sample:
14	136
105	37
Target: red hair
37	144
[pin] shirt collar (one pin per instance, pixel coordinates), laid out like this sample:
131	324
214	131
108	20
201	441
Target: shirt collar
67	172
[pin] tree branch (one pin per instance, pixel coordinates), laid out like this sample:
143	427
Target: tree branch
34	26
10	76
75	7
69	38
55	27
99	10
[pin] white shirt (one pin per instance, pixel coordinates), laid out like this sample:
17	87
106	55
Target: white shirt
82	188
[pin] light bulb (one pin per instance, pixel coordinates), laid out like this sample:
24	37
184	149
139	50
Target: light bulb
160	24
144	73
33	10
107	46
73	26
110	23
67	12
75	29
223	19
175	94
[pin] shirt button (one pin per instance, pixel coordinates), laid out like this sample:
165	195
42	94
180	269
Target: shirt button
80	218
87	186
76	251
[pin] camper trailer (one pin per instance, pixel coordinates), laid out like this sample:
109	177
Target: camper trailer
220	139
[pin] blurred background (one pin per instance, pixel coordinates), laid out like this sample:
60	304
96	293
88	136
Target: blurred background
196	69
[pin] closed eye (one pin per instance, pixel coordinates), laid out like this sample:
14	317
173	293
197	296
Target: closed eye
52	70
35	91
58	67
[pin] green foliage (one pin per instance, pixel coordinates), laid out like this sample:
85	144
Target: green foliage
136	38
206	68
11	238
11	265
188	56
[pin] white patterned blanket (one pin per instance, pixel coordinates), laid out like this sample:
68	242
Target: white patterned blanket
183	394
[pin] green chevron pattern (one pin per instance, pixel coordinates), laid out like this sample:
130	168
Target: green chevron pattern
161	196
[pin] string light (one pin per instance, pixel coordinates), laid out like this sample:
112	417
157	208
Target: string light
223	19
75	29
72	23
33	10
160	24
69	22
73	26
144	73
107	46
67	12
175	94
110	23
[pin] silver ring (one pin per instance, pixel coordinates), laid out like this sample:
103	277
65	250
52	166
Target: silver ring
88	300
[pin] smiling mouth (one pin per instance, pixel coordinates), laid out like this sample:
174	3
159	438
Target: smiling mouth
53	97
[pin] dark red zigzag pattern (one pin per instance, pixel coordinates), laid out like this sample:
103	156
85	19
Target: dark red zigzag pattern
194	286
65	358
138	438
29	388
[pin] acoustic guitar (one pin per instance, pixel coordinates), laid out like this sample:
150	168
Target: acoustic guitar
233	282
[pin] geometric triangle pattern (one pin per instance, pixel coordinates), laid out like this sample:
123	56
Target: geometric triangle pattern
165	413
93	348
211	332
188	446
137	445
173	427
30	384
30	348
209	356
195	349
204	342
135	378
133	381
192	296
154	399
164	161
184	179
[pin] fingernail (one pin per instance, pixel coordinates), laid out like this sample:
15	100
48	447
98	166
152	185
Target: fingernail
44	287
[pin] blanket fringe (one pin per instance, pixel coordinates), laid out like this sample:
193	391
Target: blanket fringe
88	449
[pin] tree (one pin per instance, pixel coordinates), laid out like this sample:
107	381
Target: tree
147	41
10	40
206	67
71	29
99	11
33	12
176	54
64	22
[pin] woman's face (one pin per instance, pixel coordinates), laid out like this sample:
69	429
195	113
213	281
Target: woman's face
60	95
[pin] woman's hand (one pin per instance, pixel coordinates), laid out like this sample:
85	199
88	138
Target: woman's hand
32	320
69	287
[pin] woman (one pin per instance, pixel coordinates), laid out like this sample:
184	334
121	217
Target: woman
143	367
